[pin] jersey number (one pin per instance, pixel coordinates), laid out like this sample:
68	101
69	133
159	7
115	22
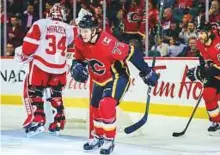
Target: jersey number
54	45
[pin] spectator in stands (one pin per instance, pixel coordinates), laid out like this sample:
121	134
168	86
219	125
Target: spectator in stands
192	50
131	21
161	47
29	17
10	50
118	25
175	47
152	18
48	6
14	6
214	11
167	17
15	32
185	20
2	20
188	31
115	6
99	15
183	4
173	31
167	3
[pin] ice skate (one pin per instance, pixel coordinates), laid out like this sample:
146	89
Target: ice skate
94	143
107	147
34	129
214	127
54	129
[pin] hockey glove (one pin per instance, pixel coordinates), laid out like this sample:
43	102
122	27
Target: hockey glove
20	57
149	78
79	72
196	73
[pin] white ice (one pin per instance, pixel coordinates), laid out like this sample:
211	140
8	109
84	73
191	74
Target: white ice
155	138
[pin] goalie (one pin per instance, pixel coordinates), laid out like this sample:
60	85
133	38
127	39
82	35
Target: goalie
106	58
209	71
45	47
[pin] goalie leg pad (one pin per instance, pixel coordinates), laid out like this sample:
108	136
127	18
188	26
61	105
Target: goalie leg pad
57	104
34	100
107	108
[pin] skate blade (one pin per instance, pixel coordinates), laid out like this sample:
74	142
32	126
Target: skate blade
56	133
34	133
95	149
214	134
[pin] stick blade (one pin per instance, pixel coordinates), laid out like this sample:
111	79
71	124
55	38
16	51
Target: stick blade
177	134
135	126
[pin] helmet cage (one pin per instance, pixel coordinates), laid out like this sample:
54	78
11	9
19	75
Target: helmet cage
58	11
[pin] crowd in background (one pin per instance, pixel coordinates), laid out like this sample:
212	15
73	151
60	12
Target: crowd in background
125	19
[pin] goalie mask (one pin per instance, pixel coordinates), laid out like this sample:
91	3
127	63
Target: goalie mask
88	27
58	11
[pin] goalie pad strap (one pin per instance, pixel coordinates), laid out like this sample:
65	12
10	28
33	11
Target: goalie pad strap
59	118
39	113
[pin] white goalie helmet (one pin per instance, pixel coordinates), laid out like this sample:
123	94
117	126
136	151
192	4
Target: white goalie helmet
58	11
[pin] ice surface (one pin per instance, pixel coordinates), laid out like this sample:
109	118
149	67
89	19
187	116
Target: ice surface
155	138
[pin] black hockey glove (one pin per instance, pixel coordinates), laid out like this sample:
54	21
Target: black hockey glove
149	78
79	72
196	73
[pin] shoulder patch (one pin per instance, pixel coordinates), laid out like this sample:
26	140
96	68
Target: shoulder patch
217	46
106	41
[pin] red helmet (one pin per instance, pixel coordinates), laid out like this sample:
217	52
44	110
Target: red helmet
58	11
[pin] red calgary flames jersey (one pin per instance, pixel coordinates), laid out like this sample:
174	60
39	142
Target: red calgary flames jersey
106	58
211	52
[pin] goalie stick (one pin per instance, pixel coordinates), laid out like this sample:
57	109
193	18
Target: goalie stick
143	120
177	134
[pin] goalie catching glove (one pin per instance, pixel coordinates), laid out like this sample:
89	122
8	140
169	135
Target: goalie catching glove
79	71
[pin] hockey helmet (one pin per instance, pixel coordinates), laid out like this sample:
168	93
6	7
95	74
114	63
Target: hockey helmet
88	21
58	11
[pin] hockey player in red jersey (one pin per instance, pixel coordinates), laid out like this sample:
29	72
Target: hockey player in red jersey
106	58
45	45
208	71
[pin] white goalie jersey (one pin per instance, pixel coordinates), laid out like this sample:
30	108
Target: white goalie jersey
47	41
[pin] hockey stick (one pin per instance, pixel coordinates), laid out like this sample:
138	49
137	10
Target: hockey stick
177	134
143	120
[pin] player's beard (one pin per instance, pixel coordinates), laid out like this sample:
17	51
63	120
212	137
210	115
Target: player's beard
203	38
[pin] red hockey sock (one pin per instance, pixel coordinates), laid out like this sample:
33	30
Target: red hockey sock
108	114
97	122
